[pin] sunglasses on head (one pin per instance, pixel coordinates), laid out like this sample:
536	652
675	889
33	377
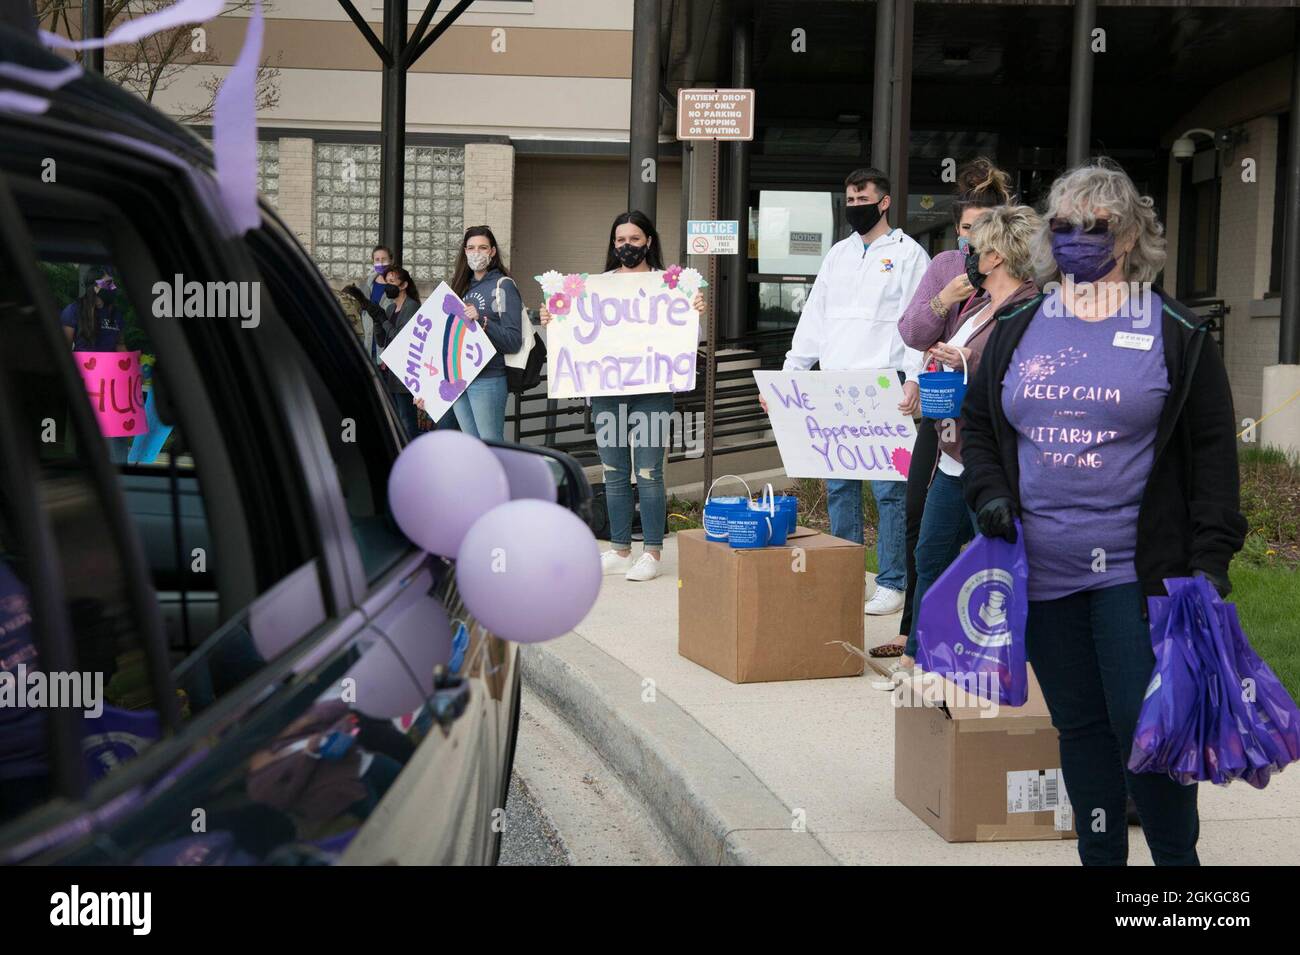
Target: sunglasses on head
1063	225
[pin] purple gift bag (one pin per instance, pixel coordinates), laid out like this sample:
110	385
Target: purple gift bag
970	627
1214	711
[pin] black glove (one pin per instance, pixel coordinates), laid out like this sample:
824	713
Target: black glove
1220	582
997	518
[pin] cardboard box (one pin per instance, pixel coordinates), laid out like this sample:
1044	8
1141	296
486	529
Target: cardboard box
768	614
974	777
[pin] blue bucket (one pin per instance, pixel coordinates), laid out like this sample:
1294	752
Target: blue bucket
788	505
780	520
750	529
718	509
942	392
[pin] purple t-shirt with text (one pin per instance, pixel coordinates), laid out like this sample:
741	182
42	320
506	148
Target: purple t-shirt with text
1085	399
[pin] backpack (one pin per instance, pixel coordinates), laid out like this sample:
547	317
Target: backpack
524	367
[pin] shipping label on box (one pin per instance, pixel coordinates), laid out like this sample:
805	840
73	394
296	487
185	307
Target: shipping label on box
1036	790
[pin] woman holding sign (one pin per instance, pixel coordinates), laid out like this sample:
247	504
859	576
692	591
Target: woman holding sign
633	247
1102	419
399	288
491	299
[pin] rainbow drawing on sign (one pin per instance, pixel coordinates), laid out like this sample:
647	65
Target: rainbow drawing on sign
453	343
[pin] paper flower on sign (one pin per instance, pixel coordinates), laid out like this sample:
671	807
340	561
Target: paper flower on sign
558	304
671	275
575	285
691	281
902	460
551	282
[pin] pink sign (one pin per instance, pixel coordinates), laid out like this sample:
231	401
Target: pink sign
116	390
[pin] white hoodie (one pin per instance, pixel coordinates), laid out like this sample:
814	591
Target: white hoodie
851	317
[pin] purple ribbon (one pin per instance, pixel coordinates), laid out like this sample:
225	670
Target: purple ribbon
234	131
178	14
41	79
12	101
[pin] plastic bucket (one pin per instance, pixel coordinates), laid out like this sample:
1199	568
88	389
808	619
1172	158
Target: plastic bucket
749	529
718	509
942	391
780	522
788	505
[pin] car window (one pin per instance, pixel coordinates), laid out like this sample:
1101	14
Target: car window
221	531
349	400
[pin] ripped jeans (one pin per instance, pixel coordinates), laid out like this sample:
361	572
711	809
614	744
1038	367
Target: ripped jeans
634	428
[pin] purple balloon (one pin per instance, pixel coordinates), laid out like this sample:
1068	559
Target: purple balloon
529	570
442	483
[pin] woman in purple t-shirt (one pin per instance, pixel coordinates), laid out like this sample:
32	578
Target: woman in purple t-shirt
94	322
1101	418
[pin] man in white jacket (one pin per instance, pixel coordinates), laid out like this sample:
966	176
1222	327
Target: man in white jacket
851	321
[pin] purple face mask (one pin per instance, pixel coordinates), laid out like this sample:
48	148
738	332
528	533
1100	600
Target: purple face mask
1084	257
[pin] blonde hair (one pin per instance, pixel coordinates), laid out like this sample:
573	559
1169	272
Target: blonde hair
1103	185
1009	231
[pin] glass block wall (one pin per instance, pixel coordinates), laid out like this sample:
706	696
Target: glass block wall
268	170
346	208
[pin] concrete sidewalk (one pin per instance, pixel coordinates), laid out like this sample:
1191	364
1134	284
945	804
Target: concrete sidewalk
729	769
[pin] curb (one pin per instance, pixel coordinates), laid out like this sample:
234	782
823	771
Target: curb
716	811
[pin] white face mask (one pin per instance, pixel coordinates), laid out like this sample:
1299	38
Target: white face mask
478	261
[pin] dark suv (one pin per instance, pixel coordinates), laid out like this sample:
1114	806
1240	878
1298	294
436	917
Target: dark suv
286	679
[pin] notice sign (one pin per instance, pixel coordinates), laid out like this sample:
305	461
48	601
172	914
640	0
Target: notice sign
438	352
839	424
715	114
624	333
805	243
712	236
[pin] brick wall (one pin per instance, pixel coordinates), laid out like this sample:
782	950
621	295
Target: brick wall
296	187
490	192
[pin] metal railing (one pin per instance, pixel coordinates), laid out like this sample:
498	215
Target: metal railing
1217	311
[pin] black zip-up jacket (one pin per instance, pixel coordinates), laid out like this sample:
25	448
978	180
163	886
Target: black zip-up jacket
1190	516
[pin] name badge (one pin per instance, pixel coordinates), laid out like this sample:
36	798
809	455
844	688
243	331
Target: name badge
1133	340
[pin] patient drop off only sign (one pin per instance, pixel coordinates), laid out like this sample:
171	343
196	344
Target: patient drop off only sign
843	425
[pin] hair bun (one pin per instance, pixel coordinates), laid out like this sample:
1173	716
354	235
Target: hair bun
979	178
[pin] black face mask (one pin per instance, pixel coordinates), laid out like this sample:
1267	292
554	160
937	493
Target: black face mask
630	255
392	291
973	272
107	295
863	218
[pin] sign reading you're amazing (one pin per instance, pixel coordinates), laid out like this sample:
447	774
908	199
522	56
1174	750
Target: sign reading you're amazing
839	424
620	334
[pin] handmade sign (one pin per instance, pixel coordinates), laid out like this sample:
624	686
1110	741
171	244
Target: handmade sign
622	333
116	390
839	424
438	352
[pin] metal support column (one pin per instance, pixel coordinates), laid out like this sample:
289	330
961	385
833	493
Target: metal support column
1288	341
1079	134
392	147
882	85
736	268
92	25
643	123
900	113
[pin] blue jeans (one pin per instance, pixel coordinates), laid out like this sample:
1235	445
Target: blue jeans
946	524
481	410
1091	652
844	503
626	429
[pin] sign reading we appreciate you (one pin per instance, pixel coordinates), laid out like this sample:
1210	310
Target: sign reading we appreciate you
621	333
839	424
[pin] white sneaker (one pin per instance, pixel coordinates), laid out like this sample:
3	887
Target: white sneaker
645	568
612	563
884	601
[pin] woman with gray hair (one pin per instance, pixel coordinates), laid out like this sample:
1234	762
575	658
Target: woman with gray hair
1101	417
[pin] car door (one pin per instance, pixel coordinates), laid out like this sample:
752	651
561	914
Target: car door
289	740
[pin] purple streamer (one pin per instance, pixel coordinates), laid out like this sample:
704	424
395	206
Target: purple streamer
234	131
12	101
178	14
42	79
